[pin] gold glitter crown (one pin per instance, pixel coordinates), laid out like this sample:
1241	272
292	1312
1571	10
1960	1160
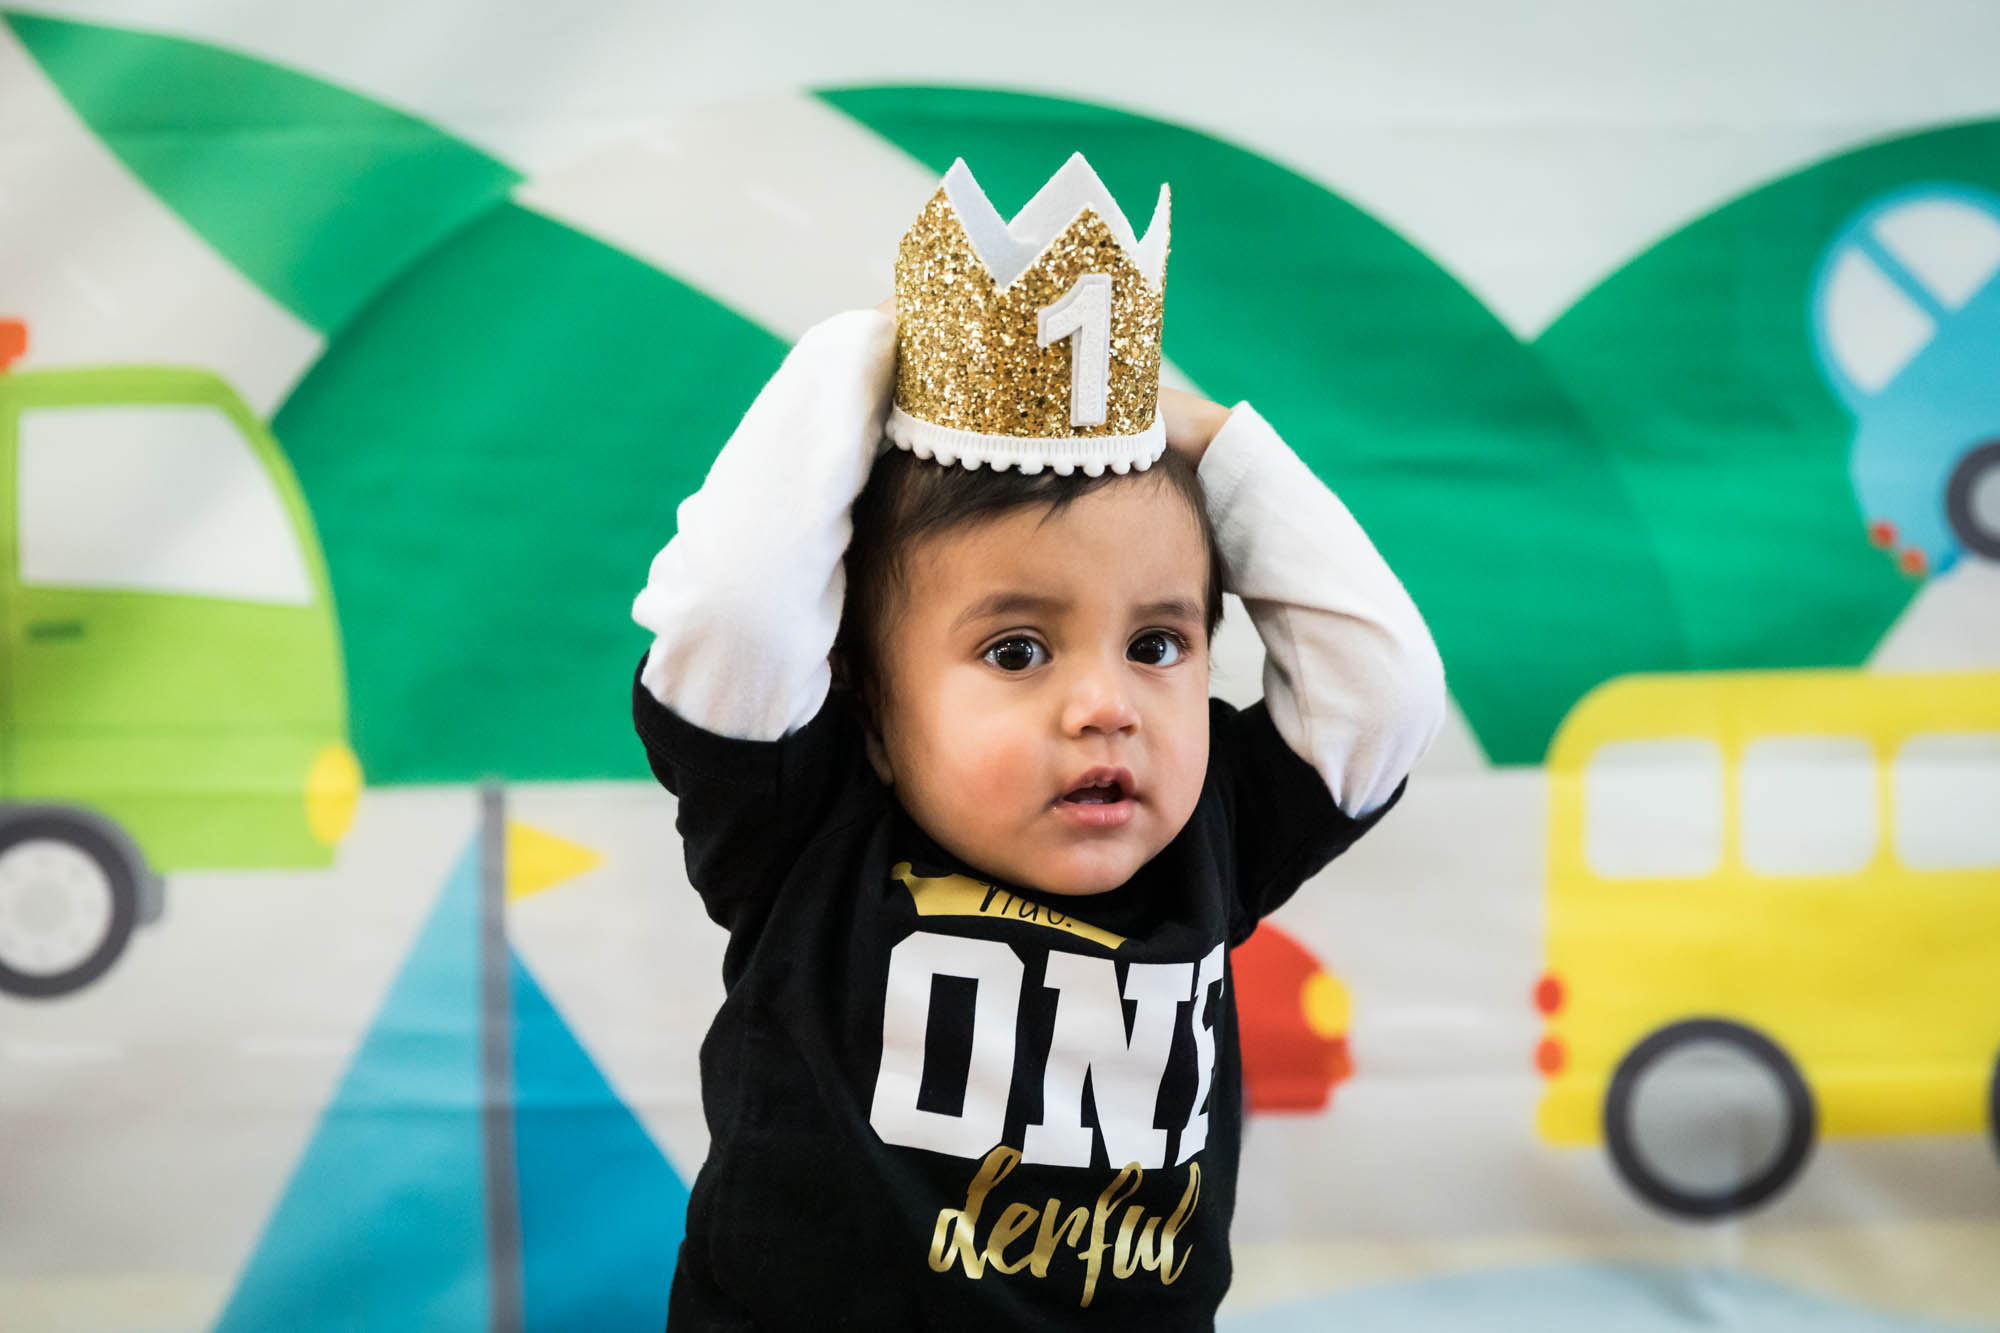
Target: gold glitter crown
1033	343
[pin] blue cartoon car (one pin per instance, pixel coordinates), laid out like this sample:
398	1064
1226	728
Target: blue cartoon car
1906	324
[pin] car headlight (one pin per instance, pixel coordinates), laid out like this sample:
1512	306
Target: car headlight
333	790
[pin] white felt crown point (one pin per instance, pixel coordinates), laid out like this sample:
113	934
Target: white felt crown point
1009	249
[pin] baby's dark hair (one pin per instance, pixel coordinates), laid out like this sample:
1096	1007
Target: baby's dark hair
907	498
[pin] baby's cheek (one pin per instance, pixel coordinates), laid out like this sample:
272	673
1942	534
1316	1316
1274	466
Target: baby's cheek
1000	769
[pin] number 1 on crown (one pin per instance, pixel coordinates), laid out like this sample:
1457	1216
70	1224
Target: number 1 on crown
1084	316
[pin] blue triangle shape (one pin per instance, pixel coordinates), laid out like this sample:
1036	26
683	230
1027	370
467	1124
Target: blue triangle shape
602	1211
382	1225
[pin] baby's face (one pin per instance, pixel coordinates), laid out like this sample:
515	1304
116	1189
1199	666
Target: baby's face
1032	649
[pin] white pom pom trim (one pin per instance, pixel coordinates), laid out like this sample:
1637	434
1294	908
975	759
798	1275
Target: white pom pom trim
1028	453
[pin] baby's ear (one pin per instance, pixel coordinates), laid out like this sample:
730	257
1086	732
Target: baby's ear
878	759
864	704
878	754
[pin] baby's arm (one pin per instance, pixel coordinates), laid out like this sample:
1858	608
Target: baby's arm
744	602
1352	679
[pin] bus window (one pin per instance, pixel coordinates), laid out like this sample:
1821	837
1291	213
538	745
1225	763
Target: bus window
1809	805
1947	800
159	497
1653	808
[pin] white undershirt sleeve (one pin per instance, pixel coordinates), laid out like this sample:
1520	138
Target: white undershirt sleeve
744	602
1352	678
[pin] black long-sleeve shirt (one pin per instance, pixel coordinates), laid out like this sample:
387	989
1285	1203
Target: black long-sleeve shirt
935	1100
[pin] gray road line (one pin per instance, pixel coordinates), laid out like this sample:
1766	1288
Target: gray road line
496	1026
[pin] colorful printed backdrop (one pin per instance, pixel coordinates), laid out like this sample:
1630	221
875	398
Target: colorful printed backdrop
353	361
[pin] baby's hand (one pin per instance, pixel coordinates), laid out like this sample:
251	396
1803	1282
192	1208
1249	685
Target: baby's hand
1192	421
888	307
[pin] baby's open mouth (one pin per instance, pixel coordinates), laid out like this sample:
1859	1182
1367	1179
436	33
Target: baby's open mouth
1104	797
1101	792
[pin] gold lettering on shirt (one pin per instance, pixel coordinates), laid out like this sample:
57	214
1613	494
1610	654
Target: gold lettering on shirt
959	895
1143	1241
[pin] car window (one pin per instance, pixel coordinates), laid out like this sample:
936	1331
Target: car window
1653	808
1809	805
1946	788
153	497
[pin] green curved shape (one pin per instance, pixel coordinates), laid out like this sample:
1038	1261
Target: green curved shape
318	195
494	451
1694	364
1449	440
1564	512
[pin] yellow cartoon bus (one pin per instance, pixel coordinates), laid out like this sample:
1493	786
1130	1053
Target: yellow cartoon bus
1773	916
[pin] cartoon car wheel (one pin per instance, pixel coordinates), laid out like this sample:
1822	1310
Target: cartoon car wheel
1706	1118
1972	500
1993	1105
68	902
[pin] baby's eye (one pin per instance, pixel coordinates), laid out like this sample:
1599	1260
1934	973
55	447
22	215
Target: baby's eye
1174	647
1016	654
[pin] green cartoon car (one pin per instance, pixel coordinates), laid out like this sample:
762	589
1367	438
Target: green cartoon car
172	694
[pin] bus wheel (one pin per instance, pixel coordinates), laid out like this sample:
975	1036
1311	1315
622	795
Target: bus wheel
1707	1118
1972	500
68	900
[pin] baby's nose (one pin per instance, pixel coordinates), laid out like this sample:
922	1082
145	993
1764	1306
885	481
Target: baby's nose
1100	699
